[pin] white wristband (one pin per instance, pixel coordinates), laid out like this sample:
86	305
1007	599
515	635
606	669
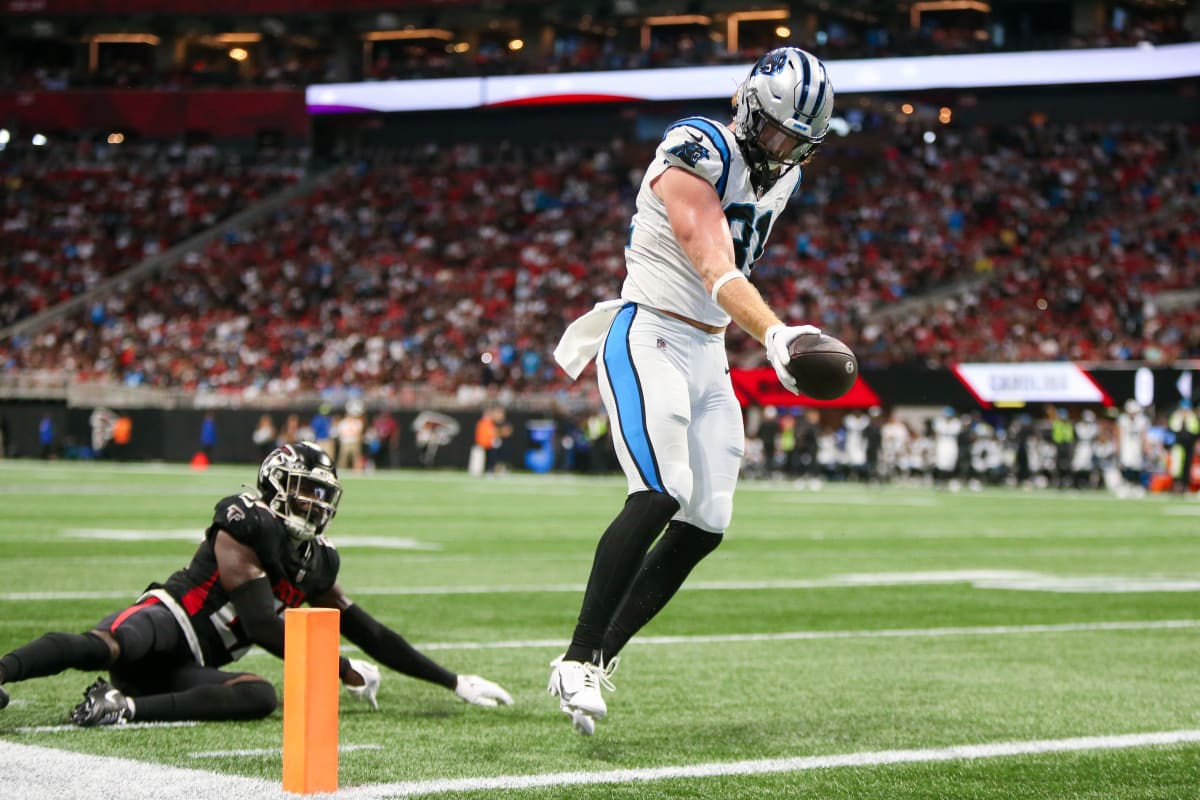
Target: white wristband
732	275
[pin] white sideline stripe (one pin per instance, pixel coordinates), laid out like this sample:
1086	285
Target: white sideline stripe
885	633
773	765
193	535
1182	511
129	726
980	578
33	773
275	751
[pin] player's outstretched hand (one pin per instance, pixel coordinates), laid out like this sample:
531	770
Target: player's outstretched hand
481	692
369	689
777	340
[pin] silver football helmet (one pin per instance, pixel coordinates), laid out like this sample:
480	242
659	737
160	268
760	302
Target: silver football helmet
299	483
782	112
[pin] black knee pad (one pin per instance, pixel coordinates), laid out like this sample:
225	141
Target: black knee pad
696	540
257	698
652	505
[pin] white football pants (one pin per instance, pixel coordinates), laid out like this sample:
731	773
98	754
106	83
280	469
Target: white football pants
677	426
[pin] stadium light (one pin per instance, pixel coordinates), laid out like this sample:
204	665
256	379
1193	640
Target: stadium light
734	21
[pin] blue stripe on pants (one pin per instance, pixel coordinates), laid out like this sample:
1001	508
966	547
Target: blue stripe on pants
627	392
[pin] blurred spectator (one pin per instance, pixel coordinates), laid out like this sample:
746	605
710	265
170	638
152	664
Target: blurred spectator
46	439
208	435
264	436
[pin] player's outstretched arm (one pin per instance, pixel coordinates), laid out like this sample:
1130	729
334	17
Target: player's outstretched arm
243	577
392	650
700	227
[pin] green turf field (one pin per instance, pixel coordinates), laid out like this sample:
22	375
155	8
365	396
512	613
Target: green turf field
847	623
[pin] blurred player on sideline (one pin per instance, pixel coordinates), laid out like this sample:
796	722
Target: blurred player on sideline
706	205
264	552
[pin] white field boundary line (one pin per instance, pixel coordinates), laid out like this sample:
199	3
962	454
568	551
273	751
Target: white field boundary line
800	636
128	726
980	579
29	772
770	766
37	772
275	751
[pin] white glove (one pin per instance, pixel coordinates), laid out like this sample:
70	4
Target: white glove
777	340
481	692
370	688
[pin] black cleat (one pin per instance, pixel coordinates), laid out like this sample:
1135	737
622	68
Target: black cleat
102	705
3	697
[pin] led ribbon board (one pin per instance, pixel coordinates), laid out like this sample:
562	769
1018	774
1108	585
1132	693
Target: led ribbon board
849	76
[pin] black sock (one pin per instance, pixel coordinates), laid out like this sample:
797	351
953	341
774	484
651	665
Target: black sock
54	653
236	701
618	558
679	550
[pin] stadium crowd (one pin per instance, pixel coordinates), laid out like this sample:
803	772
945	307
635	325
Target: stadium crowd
447	267
72	215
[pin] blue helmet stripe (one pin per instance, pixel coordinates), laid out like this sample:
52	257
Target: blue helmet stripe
821	92
710	130
807	81
626	390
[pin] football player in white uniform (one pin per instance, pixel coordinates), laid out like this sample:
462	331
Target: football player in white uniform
706	205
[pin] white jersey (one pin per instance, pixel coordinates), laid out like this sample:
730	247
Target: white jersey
946	431
660	275
1131	440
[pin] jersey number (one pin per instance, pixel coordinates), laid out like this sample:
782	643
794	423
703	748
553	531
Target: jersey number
749	234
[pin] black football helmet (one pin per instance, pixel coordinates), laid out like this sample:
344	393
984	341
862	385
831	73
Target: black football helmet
299	483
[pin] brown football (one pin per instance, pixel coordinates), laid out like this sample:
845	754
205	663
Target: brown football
824	367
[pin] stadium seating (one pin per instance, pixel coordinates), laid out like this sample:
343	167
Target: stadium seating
405	268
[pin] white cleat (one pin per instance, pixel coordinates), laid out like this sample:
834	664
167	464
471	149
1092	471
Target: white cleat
577	685
584	725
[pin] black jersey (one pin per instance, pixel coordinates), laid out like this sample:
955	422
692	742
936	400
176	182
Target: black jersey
296	570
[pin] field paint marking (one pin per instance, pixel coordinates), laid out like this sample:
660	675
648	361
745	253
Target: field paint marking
771	765
275	751
1182	511
884	633
129	726
815	498
193	535
801	636
979	579
135	534
32	773
36	772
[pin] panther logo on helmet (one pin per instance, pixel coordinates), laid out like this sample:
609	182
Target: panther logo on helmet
782	112
299	483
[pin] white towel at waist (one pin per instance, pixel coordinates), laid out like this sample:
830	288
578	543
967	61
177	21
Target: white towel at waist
581	340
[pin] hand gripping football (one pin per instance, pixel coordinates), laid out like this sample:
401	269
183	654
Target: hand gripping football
824	367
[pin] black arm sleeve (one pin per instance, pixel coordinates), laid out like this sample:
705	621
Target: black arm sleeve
256	610
390	649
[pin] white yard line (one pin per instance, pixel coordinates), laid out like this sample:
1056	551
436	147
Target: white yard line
32	773
275	751
130	726
978	578
769	766
36	773
886	633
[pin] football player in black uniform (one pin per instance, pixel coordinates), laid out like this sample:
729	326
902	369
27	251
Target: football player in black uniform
264	552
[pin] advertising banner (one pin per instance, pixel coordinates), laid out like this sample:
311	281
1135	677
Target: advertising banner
1038	382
